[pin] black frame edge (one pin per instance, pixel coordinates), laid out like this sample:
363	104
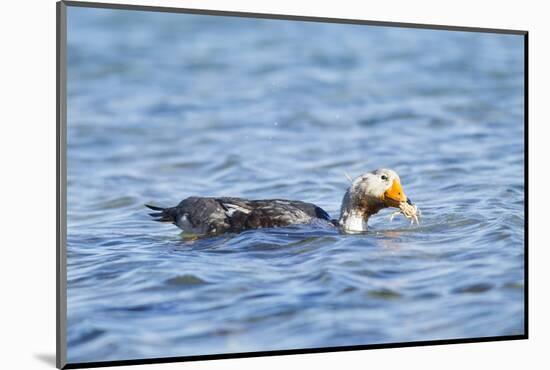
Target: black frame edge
61	185
228	13
526	181
224	356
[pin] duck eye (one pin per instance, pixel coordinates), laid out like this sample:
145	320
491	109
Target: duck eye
384	177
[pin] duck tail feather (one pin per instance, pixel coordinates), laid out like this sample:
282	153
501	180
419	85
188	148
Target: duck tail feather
154	208
168	215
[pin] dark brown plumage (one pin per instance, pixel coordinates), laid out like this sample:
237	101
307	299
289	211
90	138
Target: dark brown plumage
204	215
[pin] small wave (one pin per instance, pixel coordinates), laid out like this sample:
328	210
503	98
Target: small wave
120	202
187	279
474	288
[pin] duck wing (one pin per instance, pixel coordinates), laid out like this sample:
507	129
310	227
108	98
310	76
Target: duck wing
252	214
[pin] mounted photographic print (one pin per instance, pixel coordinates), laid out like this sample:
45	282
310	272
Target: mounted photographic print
235	184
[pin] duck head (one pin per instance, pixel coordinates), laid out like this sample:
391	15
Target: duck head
368	194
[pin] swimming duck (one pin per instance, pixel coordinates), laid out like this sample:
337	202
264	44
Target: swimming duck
367	194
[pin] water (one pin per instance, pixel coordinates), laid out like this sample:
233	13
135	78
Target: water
165	106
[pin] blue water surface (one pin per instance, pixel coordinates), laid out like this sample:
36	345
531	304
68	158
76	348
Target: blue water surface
164	106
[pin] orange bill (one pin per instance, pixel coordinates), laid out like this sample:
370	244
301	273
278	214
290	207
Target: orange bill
395	195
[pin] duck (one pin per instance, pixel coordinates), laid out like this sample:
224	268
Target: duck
366	195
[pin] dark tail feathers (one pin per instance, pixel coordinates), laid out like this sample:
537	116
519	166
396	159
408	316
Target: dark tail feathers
163	214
